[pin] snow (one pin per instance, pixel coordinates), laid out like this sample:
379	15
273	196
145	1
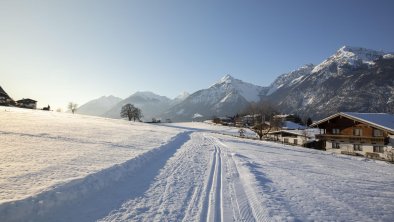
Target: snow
294	81
182	96
350	55
291	78
97	169
249	91
388	56
40	149
147	95
197	115
292	125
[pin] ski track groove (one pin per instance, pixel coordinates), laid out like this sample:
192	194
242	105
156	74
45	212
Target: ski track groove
238	200
247	198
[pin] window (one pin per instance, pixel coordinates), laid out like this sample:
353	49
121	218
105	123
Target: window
335	131
286	140
378	149
357	132
377	133
335	145
357	147
295	141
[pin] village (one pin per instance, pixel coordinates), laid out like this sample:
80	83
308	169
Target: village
369	135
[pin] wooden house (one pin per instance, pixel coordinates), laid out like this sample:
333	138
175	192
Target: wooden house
366	134
27	103
295	137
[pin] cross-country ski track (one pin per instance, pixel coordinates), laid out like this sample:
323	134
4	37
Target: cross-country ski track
195	173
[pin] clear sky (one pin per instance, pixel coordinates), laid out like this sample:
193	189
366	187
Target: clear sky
60	51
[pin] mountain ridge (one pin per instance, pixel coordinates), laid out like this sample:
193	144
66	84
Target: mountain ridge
308	90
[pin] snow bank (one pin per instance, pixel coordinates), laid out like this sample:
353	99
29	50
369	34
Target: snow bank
40	149
42	203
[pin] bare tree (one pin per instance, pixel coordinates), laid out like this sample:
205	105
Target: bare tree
72	107
131	112
264	120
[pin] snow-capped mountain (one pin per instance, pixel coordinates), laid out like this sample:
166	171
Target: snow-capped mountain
353	79
352	56
150	104
182	96
228	96
290	78
98	107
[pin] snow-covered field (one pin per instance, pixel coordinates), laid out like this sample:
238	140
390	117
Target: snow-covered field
63	167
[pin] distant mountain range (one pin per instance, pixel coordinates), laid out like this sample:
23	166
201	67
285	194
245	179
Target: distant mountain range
151	105
98	107
226	97
353	79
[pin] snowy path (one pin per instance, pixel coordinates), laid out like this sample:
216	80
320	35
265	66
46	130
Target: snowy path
184	172
200	182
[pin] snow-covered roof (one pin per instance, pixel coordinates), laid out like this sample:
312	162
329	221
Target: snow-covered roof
27	101
383	121
197	115
4	94
292	125
309	133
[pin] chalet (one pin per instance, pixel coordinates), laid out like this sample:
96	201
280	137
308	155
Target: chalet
27	103
250	120
366	134
293	137
5	99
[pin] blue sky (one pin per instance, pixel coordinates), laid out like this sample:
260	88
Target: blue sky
61	51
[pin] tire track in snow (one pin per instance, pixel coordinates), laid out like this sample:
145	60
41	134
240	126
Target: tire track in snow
245	197
209	201
237	204
177	192
215	209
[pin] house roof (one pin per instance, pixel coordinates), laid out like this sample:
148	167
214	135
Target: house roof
4	94
26	101
292	125
309	133
382	121
293	132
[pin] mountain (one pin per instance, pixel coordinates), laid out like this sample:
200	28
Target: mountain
151	105
180	98
353	79
290	78
98	106
226	97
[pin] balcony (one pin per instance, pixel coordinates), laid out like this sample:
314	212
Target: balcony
351	138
